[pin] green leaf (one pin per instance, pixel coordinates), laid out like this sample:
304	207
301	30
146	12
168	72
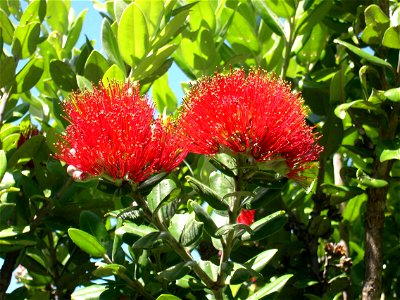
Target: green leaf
93	224
361	53
393	94
207	194
133	37
273	287
258	262
114	73
175	272
368	181
132	228
146	186
95	66
57	15
224	163
13	231
36	11
108	270
3	164
285	9
6	28
153	12
29	75
238	229
312	16
202	14
377	22
319	226
311	52
148	241
110	44
7	67
27	151
86	242
203	216
209	268
192	231
163	95
268	16
83	83
167	297
25	39
391	39
75	31
92	292
63	75
171	30
332	134
159	193
266	226
352	211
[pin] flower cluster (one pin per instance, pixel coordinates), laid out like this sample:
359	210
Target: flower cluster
113	133
257	115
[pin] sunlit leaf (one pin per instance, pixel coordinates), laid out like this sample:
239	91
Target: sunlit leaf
86	242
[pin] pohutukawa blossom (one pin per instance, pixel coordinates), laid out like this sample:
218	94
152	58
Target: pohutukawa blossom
246	216
113	133
255	114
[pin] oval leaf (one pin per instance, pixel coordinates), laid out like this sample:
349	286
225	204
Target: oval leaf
86	242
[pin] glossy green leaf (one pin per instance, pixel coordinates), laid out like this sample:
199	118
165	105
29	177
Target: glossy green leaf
221	184
202	14
167	297
93	224
285	9
29	75
7	67
13	231
209	268
63	75
311	52
91	292
238	229
268	16
207	194
87	242
163	95
36	11
114	73
9	134
3	163
393	94
363	54
6	28
332	134
95	67
57	15
109	269
391	38
153	12
83	83
266	226
146	186
151	64
110	44
377	22
273	287
171	30
389	154
27	151
25	39
353	210
368	181
192	231
74	33
258	262
133	37
148	241
307	18
175	272
132	228
159	193
204	217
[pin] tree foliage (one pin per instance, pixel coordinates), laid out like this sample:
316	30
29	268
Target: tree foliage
337	238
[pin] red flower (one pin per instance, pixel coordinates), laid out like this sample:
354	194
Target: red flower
246	216
112	132
255	114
